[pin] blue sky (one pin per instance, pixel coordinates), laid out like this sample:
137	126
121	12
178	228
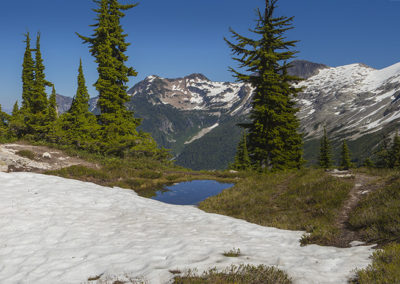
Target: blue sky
178	37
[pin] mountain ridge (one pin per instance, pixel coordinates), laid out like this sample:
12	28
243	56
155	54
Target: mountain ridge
197	118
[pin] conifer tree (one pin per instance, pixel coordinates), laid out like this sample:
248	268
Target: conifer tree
52	112
274	142
79	124
383	153
4	119
395	153
345	163
17	124
37	119
28	76
108	46
325	156
368	163
242	159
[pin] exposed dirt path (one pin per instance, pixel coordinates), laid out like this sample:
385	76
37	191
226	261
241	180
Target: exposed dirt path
362	185
43	159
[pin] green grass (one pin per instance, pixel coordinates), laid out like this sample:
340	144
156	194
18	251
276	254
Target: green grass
299	200
377	216
26	154
384	269
145	175
243	274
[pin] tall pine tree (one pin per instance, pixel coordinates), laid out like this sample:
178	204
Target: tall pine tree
17	126
325	153
345	162
28	75
274	142
37	119
108	46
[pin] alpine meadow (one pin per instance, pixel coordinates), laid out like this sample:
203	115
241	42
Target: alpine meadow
276	170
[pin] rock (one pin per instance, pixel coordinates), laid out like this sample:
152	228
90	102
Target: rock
233	172
46	155
3	168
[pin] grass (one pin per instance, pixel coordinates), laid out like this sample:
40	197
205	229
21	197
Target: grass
145	175
300	200
26	154
377	216
384	269
232	253
242	274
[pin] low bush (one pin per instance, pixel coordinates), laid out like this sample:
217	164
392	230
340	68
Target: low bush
242	274
385	267
26	154
377	216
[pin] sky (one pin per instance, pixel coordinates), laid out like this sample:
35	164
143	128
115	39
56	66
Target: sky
178	37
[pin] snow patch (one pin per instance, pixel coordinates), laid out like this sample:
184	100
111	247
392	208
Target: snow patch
202	132
56	230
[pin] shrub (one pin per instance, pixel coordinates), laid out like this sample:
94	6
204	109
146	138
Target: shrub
385	267
242	274
26	154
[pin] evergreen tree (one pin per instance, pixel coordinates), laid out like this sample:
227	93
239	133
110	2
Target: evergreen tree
4	119
242	159
108	46
17	124
395	153
274	142
28	76
325	156
383	155
345	163
52	112
368	163
79	125
37	119
52	116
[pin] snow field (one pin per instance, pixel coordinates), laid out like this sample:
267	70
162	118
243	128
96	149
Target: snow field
55	230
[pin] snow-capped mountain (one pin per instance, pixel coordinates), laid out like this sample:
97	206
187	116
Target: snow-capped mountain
197	118
195	92
352	100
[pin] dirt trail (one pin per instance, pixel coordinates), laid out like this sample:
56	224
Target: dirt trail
362	185
44	159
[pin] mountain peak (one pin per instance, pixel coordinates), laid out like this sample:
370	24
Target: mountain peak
197	76
305	69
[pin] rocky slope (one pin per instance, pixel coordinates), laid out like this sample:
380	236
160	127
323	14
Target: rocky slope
197	118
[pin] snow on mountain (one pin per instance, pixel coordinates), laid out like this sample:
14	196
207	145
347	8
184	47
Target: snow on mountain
193	92
56	230
353	100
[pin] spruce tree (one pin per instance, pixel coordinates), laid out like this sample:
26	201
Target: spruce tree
28	75
52	116
325	156
395	153
108	46
17	124
383	153
242	159
37	119
4	119
274	142
345	163
79	125
368	163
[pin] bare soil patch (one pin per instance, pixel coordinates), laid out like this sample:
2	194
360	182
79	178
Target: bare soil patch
43	159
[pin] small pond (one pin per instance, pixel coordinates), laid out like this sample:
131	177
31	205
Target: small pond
190	193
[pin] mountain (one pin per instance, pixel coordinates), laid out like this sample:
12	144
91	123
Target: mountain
197	118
